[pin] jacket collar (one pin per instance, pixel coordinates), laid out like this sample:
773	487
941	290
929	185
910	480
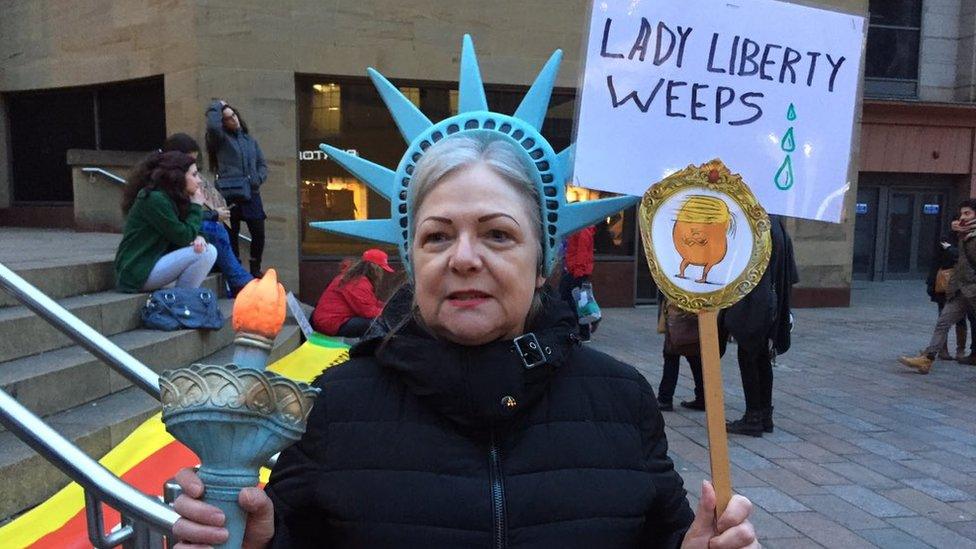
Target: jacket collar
481	386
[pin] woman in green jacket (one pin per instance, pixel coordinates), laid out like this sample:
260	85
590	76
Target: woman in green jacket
161	243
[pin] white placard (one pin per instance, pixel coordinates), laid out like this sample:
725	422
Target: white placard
766	86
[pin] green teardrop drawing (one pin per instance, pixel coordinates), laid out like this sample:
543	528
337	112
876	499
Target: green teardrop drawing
784	175
791	112
788	144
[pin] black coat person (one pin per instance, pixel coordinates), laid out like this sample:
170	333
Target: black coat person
761	324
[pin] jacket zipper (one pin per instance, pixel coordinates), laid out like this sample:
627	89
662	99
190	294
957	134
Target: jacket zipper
497	494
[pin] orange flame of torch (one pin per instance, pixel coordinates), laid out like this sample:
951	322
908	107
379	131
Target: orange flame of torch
260	306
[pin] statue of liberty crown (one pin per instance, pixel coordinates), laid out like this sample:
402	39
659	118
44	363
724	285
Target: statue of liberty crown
550	173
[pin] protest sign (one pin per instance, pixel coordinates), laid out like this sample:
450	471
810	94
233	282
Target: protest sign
766	86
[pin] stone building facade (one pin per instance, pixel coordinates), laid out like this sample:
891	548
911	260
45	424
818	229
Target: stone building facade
268	57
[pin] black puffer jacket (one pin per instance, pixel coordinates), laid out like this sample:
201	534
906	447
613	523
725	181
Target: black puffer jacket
416	443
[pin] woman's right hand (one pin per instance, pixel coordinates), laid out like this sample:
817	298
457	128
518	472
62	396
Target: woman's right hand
202	524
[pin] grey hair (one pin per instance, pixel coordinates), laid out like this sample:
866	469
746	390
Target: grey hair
460	151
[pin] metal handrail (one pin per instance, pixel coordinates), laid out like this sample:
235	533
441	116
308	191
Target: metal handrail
84	470
84	335
91	170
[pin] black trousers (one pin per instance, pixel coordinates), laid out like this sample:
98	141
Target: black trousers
354	327
669	377
756	370
255	227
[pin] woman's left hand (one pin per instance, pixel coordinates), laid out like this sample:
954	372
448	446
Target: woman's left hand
733	529
199	244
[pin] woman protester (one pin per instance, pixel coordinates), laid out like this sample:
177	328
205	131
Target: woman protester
215	214
236	159
349	304
161	242
470	415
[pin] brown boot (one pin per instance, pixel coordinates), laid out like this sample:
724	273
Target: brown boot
921	363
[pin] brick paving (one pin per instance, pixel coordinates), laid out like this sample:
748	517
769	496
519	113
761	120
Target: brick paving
866	453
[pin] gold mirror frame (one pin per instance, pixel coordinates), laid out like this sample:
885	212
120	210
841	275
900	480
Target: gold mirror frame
712	176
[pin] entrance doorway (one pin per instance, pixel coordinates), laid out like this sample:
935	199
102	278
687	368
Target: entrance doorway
896	230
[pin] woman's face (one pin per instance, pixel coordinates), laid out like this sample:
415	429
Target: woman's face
192	180
230	120
475	258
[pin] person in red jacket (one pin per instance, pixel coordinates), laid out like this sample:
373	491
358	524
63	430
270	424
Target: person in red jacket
349	304
577	268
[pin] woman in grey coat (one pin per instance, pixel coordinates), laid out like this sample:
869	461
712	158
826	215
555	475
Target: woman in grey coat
237	160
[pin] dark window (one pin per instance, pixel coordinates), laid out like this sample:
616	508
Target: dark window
128	116
348	113
891	65
131	116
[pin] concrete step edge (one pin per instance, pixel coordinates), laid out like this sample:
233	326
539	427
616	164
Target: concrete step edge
64	378
22	333
70	279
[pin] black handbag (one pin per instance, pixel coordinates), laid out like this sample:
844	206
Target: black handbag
182	308
235	189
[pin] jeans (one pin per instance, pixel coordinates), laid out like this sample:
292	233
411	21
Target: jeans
184	266
955	309
354	327
669	377
236	275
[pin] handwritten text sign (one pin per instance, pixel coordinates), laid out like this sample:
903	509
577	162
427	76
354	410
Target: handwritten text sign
767	86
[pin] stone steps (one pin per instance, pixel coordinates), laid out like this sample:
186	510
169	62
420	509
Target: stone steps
96	426
23	333
76	394
60	379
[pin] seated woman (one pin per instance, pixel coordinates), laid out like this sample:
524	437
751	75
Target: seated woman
161	242
215	214
349	304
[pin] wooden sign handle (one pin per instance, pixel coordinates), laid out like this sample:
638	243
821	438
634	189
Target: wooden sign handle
718	439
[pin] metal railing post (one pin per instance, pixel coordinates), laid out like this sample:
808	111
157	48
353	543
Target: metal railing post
80	467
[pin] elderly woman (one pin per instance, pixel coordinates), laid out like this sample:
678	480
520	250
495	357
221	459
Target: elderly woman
469	415
437	434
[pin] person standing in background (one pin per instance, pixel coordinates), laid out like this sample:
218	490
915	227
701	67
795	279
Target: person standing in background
235	158
577	268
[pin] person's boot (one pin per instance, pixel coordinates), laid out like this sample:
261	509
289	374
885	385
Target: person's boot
767	419
665	405
697	404
921	363
256	268
960	341
751	424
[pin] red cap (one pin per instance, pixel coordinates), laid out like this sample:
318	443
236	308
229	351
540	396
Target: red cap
377	257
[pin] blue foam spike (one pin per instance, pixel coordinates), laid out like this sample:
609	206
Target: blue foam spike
377	177
471	91
378	230
575	216
564	162
534	105
407	116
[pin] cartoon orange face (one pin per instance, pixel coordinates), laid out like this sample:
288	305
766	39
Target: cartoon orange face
701	233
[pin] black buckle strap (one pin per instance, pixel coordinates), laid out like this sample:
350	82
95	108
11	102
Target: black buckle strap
529	350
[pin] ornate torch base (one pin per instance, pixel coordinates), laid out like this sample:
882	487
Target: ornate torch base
234	419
